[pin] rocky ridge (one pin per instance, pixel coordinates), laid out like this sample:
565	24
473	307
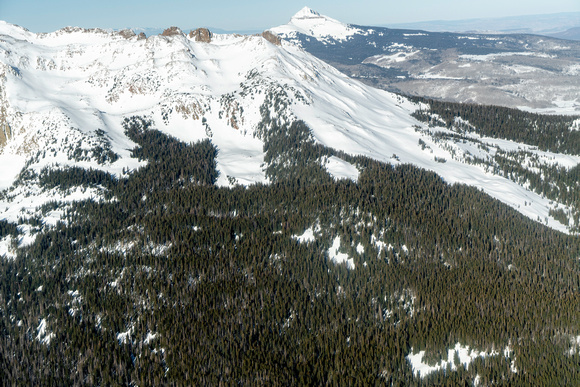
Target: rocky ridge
65	96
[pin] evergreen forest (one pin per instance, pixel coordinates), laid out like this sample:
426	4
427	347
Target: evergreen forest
171	280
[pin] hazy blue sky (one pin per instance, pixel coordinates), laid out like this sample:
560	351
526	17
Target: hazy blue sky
50	15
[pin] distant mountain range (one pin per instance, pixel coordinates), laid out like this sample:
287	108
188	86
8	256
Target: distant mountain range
570	34
558	25
515	70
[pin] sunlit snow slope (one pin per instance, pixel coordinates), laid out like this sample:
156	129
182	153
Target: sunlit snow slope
311	23
64	95
529	72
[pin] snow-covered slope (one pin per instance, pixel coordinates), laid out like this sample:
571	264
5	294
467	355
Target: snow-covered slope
514	70
311	23
64	95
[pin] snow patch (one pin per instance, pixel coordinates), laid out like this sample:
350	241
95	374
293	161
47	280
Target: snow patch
7	250
489	57
380	245
460	355
337	257
125	337
150	336
464	355
340	169
75	303
43	334
309	235
575	345
386	60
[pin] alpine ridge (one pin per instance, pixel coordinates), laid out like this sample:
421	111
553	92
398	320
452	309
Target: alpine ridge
64	96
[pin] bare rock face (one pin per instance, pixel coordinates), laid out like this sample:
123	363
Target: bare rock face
127	34
172	31
272	38
5	130
141	36
201	35
73	30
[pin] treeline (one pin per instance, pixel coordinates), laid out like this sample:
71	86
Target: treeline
174	281
7	228
548	132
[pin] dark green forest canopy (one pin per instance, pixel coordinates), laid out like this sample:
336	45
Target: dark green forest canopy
210	285
548	132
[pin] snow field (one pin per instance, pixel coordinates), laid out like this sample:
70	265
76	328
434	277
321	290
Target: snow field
461	353
68	85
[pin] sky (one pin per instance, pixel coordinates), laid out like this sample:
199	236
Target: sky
50	15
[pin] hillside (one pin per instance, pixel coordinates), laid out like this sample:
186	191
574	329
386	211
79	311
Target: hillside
530	72
205	209
65	95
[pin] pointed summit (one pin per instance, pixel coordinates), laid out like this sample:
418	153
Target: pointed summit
307	13
311	23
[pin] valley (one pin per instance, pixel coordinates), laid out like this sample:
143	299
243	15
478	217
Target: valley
529	72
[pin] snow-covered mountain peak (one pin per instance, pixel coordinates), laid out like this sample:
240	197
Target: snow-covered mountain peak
63	37
14	31
311	23
64	96
306	13
172	31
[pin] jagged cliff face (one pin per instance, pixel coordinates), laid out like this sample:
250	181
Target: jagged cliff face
201	35
86	81
272	38
5	130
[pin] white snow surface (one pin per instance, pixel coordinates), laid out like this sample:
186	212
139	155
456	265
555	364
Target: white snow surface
58	90
306	237
125	337
6	249
574	345
463	352
340	169
311	23
43	334
309	235
337	257
150	337
488	57
385	60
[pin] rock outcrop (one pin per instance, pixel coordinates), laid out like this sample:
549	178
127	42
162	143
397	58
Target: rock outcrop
127	34
172	31
272	38
201	35
5	130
